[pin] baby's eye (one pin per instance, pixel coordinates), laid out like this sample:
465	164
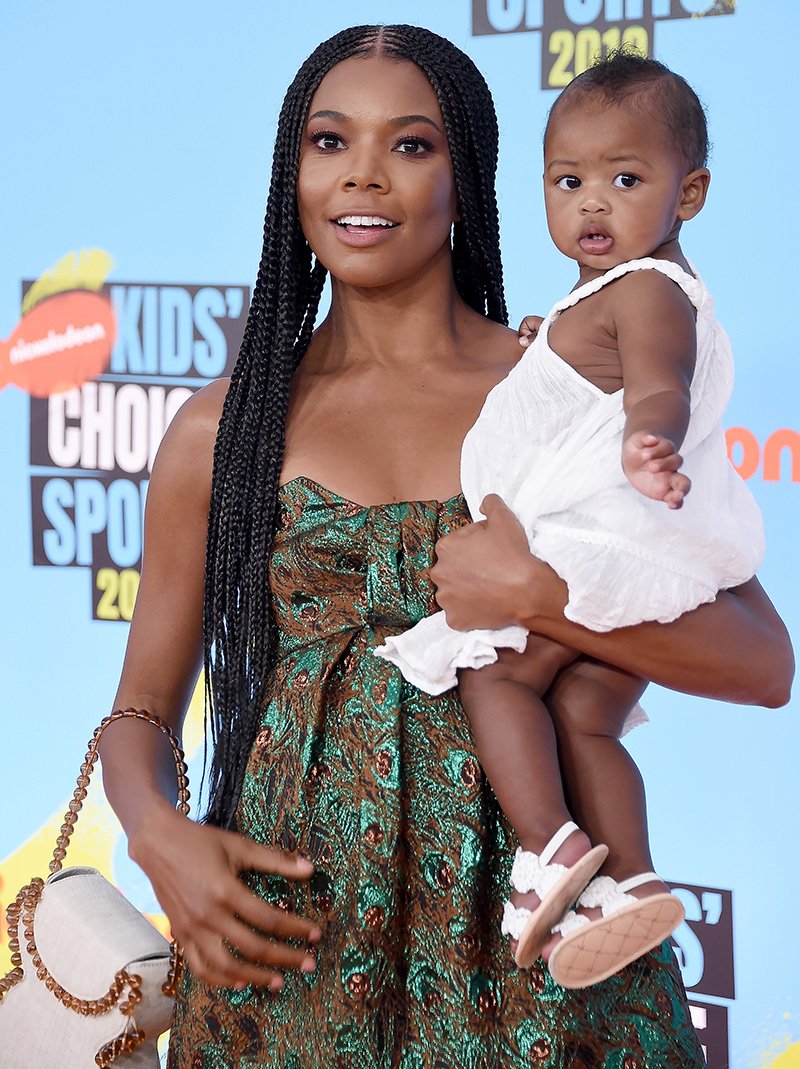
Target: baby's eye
626	181
413	146
569	181
327	141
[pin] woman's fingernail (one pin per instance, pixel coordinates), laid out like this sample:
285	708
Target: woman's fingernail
275	983
524	343
309	965
240	986
314	935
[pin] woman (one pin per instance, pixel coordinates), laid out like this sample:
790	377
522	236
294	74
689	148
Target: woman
333	478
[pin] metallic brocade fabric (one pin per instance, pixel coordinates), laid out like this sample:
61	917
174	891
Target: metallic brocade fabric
379	785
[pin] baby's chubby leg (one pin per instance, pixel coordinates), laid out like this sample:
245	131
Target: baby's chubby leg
515	738
516	745
589	703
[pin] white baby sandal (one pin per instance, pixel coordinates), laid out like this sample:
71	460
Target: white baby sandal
557	887
593	950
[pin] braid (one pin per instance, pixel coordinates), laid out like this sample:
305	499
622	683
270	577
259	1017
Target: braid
239	631
471	126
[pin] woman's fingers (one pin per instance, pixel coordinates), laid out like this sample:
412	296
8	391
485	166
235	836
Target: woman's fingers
261	951
249	855
211	962
493	507
226	950
269	919
482	570
229	935
243	940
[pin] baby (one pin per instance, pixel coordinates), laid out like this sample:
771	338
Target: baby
582	441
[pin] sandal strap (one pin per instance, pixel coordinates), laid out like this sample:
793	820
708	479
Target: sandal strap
605	893
637	881
536	872
557	841
514	920
570	922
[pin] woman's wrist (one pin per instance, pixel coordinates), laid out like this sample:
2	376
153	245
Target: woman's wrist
538	593
154	822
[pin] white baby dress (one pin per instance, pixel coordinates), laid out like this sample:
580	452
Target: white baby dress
549	443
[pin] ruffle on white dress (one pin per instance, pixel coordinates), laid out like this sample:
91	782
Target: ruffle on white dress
549	443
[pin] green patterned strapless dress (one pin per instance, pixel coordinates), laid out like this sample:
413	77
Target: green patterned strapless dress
379	785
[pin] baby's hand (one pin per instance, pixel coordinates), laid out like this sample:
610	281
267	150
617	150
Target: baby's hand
529	328
651	466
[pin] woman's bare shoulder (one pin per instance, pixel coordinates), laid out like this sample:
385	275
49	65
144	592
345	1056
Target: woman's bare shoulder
186	456
199	416
196	421
493	343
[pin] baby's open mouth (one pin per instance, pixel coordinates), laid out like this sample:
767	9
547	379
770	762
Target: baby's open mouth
595	241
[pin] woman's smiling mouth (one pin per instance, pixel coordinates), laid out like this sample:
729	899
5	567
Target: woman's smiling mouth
363	230
364	221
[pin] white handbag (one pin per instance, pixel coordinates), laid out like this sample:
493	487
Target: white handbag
93	982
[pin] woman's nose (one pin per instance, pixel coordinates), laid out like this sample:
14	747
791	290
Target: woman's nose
365	172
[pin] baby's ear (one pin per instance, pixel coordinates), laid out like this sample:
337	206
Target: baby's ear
693	193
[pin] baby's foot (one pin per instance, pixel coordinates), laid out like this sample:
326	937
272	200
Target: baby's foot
568	854
644	890
636	915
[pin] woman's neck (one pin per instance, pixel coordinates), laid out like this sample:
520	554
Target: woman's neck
413	321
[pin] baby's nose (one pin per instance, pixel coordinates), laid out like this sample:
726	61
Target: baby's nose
592	205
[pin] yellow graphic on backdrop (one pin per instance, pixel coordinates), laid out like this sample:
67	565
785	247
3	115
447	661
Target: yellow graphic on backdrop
790	1059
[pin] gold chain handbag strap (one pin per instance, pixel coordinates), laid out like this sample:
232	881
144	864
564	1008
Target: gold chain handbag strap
28	898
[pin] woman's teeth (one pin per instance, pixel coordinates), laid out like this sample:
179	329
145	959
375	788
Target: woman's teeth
364	220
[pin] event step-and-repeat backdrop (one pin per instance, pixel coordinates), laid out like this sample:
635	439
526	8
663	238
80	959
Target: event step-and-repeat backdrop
138	142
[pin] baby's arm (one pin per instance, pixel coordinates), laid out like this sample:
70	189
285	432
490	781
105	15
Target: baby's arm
657	340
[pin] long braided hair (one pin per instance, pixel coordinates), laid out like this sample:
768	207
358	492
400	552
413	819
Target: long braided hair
239	635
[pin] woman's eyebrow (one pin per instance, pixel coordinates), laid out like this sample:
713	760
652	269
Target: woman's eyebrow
400	120
337	116
409	120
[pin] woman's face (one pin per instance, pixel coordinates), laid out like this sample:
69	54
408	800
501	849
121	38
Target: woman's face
375	191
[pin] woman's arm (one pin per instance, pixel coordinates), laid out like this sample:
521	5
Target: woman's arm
734	649
194	869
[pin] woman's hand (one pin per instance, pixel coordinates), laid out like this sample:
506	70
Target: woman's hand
734	649
229	936
485	575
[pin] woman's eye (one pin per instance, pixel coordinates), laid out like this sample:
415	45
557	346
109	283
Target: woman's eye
327	141
626	181
413	146
569	181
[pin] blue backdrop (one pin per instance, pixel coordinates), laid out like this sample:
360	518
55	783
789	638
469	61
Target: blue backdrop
146	131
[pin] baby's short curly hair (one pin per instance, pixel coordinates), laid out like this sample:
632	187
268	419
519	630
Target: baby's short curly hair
625	77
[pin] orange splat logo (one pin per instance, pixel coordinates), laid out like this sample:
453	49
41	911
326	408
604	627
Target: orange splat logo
67	329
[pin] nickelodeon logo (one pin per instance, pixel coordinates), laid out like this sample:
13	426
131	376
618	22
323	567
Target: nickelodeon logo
778	458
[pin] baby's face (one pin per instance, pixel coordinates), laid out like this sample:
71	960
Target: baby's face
613	184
